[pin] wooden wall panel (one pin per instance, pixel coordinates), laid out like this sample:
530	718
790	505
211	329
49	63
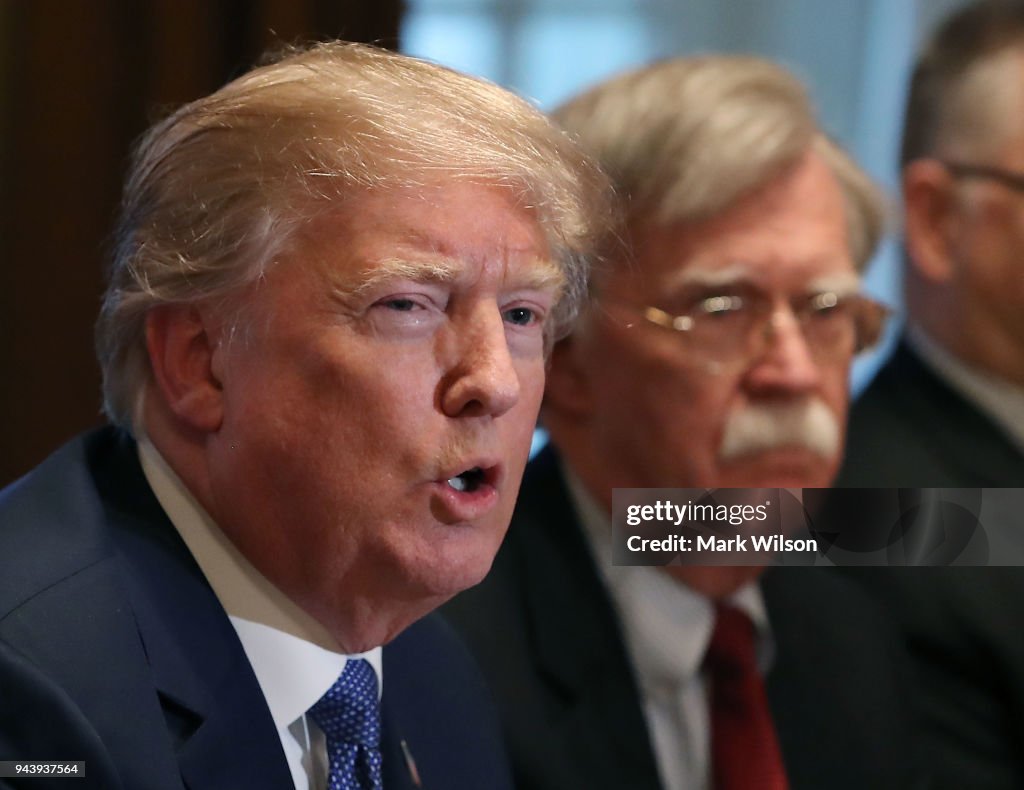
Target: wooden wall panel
79	81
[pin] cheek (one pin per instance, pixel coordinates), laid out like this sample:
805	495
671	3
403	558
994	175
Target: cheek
993	250
664	405
835	391
291	379
360	384
713	399
1008	279
326	418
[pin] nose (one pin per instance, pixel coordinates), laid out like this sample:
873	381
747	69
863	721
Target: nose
785	364
482	379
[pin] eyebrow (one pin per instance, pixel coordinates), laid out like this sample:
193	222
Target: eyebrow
699	275
435	270
840	283
541	274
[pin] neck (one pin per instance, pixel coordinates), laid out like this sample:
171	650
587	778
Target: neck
982	345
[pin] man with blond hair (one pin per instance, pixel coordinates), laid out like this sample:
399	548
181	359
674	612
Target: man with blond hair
323	343
715	353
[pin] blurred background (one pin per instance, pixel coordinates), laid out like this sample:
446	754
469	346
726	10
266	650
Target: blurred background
81	79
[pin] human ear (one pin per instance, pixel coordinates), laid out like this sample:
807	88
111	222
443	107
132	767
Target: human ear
931	219
182	350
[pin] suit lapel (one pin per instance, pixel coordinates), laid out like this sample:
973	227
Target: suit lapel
216	714
958	432
217	718
579	649
399	762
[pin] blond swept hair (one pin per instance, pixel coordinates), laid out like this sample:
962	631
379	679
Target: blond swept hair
686	138
217	191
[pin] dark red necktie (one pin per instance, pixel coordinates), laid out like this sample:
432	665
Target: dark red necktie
744	748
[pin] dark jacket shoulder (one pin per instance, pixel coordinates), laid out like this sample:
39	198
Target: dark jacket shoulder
909	428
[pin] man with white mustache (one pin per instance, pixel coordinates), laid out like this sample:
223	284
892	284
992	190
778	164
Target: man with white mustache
715	353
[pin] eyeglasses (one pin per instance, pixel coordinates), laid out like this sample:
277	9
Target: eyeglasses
734	326
1007	178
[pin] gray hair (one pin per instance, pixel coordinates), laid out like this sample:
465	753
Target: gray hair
685	138
217	191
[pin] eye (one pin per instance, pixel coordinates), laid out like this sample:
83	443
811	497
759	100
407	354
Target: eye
720	306
405	314
521	316
827	305
400	304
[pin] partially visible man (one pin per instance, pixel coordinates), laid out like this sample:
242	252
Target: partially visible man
947	409
323	344
715	353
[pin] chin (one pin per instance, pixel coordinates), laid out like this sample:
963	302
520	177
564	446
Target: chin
437	586
449	566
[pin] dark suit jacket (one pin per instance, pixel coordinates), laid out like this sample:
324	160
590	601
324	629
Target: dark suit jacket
962	625
114	650
910	429
544	631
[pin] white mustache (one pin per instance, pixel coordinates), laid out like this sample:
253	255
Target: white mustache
756	428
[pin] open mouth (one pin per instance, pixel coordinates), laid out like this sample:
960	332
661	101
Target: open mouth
468	481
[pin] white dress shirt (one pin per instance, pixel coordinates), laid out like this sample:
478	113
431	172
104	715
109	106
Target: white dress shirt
1000	400
667	628
293	657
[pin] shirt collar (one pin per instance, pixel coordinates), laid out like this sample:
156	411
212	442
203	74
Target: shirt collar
667	626
293	656
1002	401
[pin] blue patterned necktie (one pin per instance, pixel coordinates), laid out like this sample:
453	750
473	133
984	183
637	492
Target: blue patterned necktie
349	715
